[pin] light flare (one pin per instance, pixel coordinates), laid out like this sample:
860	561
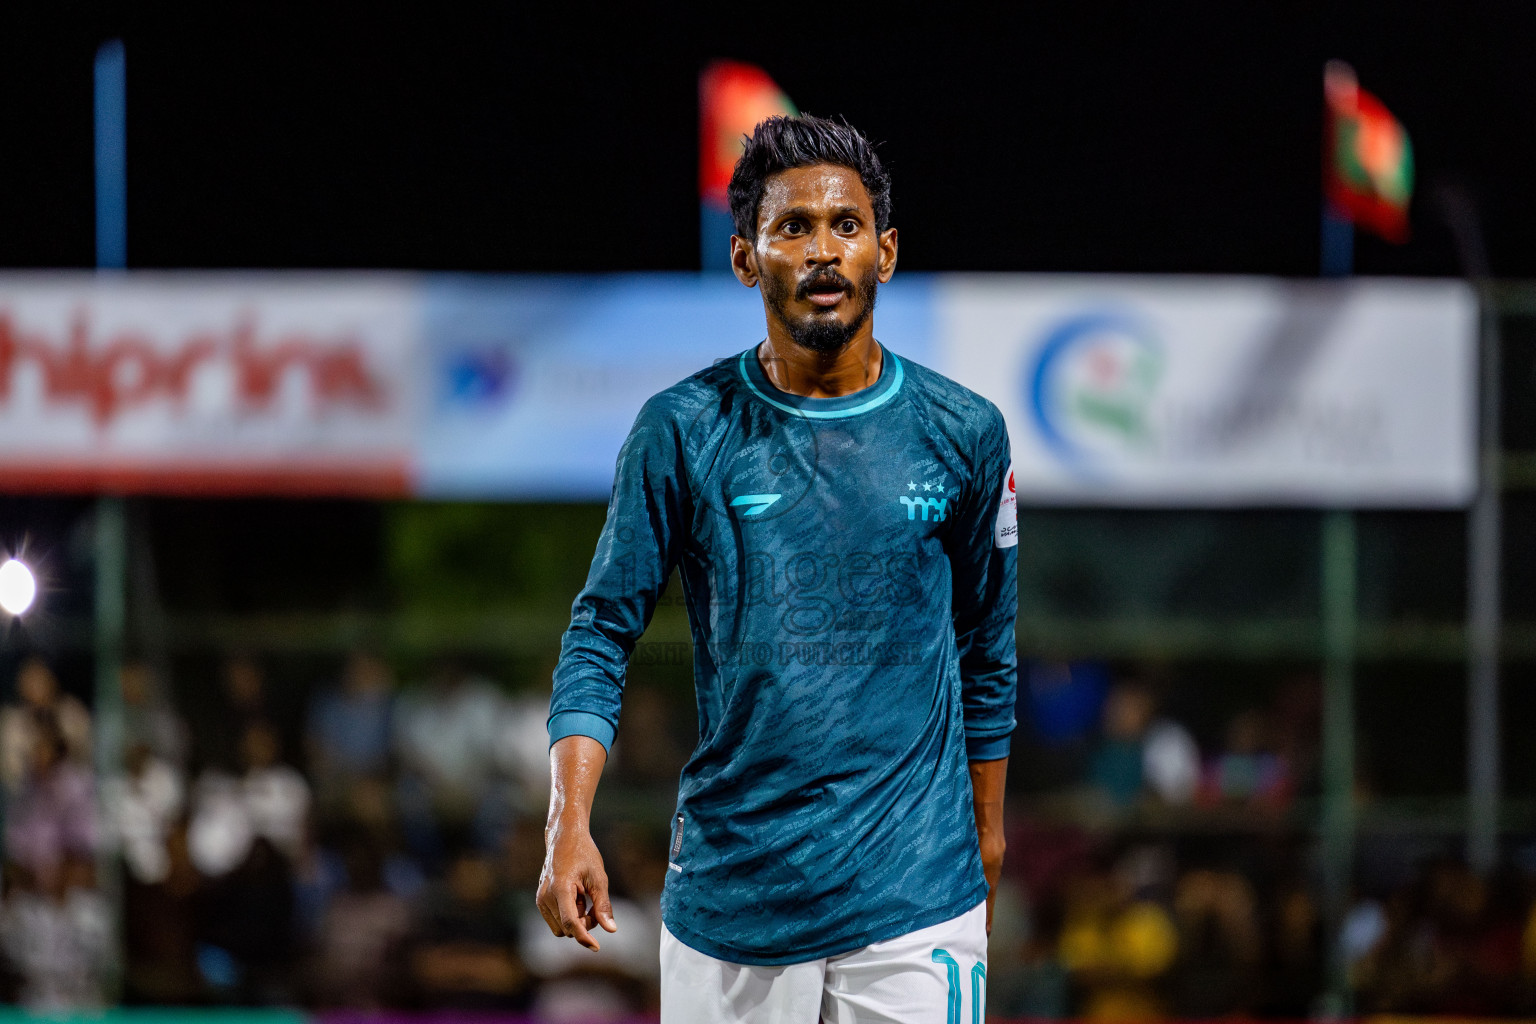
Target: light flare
18	587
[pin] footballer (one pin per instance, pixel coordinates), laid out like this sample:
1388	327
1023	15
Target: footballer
843	523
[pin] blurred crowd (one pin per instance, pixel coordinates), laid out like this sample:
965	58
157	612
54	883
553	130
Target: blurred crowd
378	848
358	843
1149	926
1153	876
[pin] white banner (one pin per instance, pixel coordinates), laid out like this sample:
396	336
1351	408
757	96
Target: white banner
1179	391
230	383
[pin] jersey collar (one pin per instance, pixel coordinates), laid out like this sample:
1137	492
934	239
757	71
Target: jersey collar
864	400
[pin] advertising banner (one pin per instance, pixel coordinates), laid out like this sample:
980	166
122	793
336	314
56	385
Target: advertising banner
231	384
536	381
1220	392
383	385
1134	391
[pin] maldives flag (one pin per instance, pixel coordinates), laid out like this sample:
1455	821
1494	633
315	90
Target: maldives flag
733	98
1368	163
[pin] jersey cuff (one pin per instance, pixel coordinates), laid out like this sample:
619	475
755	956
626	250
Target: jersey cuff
988	748
580	723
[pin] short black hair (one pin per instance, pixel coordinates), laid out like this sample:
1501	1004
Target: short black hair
779	143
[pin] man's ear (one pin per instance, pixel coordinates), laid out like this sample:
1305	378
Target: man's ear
744	261
887	267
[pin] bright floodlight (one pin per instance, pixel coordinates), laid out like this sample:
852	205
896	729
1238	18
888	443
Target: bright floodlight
17	587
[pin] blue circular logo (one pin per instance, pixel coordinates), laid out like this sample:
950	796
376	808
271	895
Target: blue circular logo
1090	386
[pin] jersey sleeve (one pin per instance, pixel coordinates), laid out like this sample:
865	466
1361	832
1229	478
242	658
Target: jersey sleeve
984	562
634	559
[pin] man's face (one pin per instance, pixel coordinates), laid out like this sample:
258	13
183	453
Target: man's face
818	254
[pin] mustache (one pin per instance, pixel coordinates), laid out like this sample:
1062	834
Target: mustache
824	276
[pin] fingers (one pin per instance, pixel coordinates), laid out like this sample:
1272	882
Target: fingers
547	908
573	892
602	908
573	916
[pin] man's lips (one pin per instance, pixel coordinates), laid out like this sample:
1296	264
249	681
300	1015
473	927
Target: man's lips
824	291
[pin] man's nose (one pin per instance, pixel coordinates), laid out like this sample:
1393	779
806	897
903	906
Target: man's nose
821	249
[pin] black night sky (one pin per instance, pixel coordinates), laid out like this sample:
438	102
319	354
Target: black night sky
1166	137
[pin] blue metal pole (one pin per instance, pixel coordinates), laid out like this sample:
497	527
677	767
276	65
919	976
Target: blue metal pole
111	133
111	157
1338	255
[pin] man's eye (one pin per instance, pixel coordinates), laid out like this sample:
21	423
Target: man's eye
794	227
849	226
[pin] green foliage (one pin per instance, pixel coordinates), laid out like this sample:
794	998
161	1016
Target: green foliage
450	556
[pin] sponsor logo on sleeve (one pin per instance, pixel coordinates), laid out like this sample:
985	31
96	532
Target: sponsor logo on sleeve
1006	533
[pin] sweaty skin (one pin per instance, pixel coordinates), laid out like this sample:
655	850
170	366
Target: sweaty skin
812	220
573	887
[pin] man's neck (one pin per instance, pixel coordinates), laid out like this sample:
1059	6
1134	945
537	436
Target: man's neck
810	374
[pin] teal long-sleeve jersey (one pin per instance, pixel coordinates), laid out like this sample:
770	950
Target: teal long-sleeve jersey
849	567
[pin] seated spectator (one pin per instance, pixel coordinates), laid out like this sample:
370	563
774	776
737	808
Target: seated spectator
269	801
1115	770
1222	944
1117	945
38	696
349	730
359	944
463	957
142	807
1170	763
1139	755
1247	773
244	700
57	935
52	816
149	720
446	739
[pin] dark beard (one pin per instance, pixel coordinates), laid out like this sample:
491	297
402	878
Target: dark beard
823	334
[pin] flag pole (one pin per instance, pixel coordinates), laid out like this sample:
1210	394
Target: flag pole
111	532
1339	572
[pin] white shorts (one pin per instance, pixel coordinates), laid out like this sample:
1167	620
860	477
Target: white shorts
935	974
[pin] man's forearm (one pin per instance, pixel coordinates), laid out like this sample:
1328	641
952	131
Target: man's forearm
988	781
573	887
575	765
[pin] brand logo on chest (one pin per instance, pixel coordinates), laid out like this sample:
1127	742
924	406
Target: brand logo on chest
928	501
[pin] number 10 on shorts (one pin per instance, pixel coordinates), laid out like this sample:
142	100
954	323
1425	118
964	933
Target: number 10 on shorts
978	986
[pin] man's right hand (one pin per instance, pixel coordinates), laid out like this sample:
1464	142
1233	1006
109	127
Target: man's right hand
573	887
